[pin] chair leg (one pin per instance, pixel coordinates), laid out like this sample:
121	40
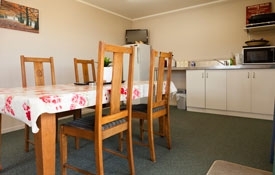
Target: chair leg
56	130
167	131
162	126
120	140
151	140
99	156
130	152
27	138
141	130
63	151
77	115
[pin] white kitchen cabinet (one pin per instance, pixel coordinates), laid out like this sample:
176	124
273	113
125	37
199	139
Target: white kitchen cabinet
215	89
206	89
238	90
195	88
251	90
263	91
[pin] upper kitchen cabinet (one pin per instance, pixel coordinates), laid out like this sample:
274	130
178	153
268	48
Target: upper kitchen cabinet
251	90
206	89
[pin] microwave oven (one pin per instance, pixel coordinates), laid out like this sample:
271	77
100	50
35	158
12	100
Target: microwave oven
259	55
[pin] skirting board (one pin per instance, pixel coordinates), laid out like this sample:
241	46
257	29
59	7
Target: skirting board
13	128
232	113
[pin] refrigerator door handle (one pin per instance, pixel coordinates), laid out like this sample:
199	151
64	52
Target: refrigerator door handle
138	55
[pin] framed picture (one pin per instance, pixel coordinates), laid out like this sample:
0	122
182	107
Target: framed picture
18	17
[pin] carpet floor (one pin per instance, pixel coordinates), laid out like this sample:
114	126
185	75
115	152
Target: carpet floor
198	140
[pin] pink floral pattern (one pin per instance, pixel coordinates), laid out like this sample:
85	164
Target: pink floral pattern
7	108
78	99
123	91
52	99
27	104
27	111
136	94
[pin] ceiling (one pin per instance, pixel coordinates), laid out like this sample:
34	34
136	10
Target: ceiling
138	9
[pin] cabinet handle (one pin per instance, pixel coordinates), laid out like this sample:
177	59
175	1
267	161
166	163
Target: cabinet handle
202	75
253	75
206	75
248	75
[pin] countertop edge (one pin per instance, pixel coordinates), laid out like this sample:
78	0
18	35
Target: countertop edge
242	66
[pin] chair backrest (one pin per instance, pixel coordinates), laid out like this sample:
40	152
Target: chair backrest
159	83
115	113
88	68
38	68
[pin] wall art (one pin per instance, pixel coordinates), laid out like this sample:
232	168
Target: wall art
18	17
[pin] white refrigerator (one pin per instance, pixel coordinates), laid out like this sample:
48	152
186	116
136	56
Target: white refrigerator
142	62
141	65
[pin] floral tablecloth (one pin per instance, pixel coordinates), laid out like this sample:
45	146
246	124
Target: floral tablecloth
27	104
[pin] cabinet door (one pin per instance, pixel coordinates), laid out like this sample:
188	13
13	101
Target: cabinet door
238	90
215	89
195	88
263	91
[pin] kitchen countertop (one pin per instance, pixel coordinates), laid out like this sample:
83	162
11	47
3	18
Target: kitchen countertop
241	66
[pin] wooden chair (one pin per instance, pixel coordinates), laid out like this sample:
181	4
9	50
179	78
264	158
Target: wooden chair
88	68
40	80
99	127
157	106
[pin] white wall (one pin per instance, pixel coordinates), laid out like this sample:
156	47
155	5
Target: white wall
213	31
205	32
68	29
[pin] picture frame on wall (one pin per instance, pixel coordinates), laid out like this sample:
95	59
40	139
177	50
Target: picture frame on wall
18	17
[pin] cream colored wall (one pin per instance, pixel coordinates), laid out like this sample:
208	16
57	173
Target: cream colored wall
206	32
67	29
214	31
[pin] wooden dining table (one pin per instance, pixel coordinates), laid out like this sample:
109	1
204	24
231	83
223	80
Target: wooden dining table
36	106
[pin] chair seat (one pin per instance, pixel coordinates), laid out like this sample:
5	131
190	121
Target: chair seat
89	123
140	107
143	108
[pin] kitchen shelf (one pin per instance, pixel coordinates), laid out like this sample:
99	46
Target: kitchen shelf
260	28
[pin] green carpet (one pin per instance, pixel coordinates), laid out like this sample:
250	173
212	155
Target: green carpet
198	140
